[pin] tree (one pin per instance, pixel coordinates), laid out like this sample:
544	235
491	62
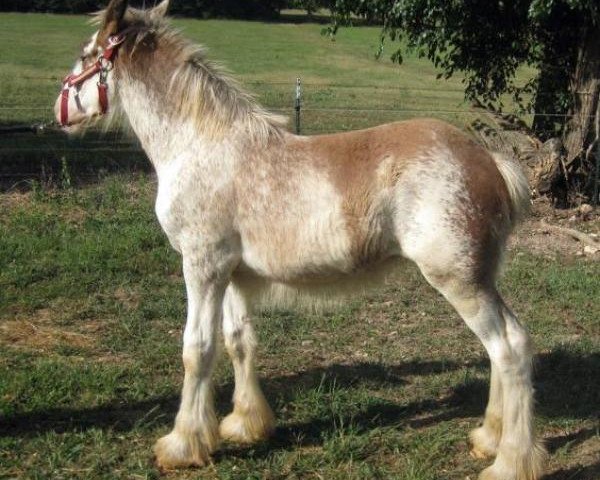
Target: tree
488	40
311	6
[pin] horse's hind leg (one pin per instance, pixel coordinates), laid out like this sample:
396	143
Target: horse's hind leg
519	454
485	439
252	419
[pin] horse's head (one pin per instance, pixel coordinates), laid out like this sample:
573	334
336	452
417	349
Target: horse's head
90	89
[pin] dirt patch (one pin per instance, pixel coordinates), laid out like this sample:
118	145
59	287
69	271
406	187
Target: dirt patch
129	299
574	454
539	235
33	334
49	328
75	215
14	200
38	333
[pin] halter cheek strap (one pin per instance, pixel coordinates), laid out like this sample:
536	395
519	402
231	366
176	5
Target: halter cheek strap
103	65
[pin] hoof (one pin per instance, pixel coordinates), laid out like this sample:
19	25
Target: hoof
491	474
529	466
177	450
250	427
483	443
494	472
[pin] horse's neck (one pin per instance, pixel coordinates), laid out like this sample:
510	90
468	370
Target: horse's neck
163	136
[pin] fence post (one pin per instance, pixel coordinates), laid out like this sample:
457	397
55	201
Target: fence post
597	173
297	104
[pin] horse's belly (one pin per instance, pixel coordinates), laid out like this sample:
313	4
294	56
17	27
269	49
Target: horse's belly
315	250
293	254
312	288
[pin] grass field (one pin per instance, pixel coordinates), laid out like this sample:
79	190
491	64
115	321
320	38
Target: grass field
265	57
344	86
92	304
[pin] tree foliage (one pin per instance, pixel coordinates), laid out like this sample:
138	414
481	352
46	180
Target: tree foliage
311	6
489	40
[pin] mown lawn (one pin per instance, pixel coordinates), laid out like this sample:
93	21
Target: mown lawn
92	307
36	52
91	314
344	86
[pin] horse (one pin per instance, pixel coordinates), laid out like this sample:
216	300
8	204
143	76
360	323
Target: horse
261	216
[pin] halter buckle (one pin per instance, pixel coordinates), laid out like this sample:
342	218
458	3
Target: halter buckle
115	40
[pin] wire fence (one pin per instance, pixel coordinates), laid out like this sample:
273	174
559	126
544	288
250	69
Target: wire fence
315	107
318	97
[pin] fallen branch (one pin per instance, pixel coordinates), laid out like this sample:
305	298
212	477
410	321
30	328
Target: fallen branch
587	240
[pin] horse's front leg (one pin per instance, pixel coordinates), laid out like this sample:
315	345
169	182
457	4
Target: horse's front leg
195	434
252	419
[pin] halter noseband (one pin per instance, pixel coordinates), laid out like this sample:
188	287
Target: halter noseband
103	64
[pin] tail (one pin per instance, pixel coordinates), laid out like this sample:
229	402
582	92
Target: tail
516	184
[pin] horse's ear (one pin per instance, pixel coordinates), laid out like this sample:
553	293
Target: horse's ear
160	10
113	17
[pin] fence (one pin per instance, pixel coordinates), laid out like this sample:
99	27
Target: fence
314	107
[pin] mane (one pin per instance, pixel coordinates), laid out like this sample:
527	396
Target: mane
198	88
205	92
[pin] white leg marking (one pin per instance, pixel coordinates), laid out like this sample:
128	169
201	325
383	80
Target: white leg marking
485	439
520	455
195	434
252	419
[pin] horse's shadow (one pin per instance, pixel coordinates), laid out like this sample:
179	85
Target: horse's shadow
566	385
158	411
579	472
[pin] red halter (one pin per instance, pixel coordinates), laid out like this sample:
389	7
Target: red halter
103	64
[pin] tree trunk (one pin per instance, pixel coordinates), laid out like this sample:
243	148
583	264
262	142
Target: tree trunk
585	88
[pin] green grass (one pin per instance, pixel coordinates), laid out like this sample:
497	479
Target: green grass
344	86
36	51
267	57
91	312
92	303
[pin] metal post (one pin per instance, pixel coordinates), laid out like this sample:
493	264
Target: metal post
297	104
597	173
597	176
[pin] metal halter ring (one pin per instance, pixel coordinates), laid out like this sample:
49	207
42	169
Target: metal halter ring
106	65
115	40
